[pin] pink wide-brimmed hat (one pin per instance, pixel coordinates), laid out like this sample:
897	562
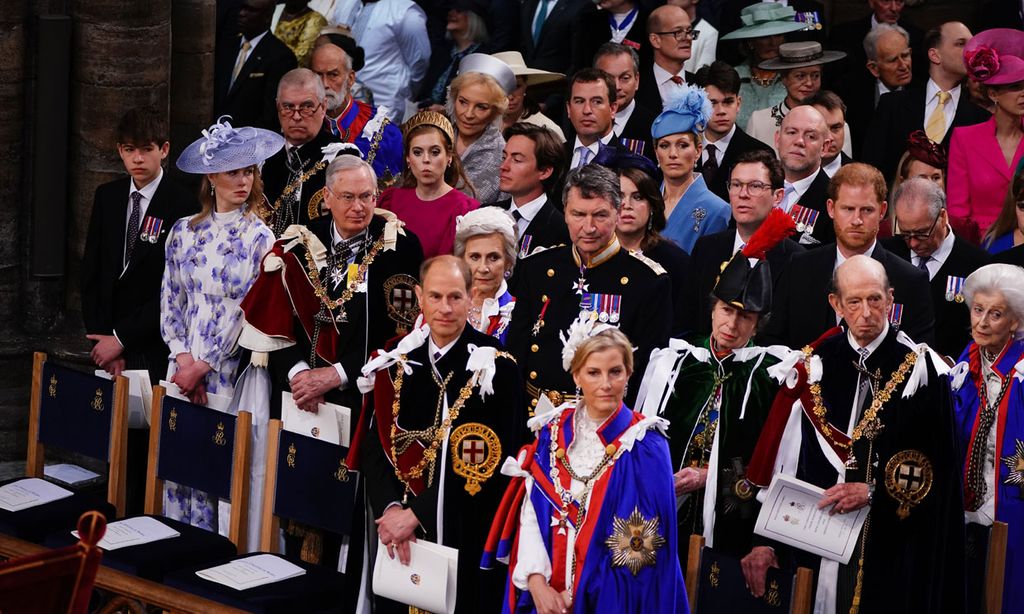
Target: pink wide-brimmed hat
996	56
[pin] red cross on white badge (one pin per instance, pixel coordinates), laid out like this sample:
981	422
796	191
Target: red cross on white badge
474	451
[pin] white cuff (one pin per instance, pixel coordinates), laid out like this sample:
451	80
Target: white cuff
299	367
342	376
177	347
114	333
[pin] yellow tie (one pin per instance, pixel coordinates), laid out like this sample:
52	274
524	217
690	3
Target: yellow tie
242	54
935	128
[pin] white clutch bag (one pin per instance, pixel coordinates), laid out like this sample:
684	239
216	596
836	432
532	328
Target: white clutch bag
427	583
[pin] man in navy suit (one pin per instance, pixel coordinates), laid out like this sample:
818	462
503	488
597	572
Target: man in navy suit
247	69
123	265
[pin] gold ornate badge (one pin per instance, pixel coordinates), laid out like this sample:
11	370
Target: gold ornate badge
291	456
219	438
341	473
1015	462
316	206
713	574
53	386
908	478
97	401
400	298
172	420
635	541
772	596
476	453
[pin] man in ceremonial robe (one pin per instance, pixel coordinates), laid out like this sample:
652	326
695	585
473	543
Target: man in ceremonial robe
293	178
593	274
326	295
869	419
447	412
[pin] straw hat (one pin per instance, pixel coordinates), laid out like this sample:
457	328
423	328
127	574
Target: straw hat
801	55
533	76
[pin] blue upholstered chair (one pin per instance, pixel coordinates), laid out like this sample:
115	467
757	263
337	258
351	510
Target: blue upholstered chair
80	413
307	480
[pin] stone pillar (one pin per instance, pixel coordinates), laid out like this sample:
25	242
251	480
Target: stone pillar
193	23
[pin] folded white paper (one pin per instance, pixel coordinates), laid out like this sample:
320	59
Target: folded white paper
252	571
134	532
220	402
428	582
331	423
30	492
790	515
140	396
69	474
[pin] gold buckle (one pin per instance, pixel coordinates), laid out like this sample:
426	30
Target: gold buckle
554	396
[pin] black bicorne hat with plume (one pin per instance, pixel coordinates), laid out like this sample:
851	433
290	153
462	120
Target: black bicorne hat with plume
749	287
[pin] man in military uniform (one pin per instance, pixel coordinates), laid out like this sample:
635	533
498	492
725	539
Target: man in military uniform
351	120
869	420
448	410
293	178
326	296
593	274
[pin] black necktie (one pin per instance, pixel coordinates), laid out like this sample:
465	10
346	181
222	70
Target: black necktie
710	165
133	226
515	214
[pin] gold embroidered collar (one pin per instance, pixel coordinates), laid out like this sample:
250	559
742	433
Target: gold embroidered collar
601	257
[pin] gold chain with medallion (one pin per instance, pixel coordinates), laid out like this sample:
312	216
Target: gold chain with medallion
318	287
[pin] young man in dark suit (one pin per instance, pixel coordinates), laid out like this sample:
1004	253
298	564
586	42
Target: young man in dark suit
755	189
724	141
632	121
800	309
928	242
247	69
533	162
123	265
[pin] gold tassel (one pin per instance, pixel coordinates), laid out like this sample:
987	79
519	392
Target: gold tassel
312	542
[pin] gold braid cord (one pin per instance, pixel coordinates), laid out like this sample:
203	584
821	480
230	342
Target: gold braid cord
869	424
318	286
266	213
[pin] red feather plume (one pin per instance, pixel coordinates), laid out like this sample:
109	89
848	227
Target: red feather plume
776	227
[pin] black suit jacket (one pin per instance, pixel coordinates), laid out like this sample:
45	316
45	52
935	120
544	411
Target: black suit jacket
554	49
952	319
251	99
638	128
275	178
1014	255
801	312
709	253
814	198
740	143
126	300
900	113
849	37
857	90
594	31
546	229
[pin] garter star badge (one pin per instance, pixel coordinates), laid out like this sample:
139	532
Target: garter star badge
635	541
476	453
908	478
1015	462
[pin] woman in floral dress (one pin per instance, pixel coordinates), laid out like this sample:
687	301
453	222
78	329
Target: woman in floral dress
212	260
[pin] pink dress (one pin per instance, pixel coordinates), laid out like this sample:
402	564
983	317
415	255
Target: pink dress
433	221
978	177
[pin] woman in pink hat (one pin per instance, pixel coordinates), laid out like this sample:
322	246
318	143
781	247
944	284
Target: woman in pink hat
982	157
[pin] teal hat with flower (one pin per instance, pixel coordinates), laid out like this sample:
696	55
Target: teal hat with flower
765	19
686	110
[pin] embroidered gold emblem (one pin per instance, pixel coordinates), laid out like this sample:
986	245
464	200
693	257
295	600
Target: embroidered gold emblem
400	298
316	206
97	401
908	478
772	596
172	420
635	541
53	387
291	456
713	575
1015	462
219	438
341	473
476	453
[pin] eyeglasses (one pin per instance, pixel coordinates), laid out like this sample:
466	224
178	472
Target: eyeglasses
754	188
909	236
306	109
367	198
681	34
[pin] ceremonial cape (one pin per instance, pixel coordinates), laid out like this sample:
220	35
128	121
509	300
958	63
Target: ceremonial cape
1009	458
369	129
680	382
912	563
634	492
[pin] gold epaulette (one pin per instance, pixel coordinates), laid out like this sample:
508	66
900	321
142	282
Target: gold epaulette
657	268
508	356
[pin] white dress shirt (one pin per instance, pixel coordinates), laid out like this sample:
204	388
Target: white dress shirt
147	197
832	167
622	117
593	147
794	191
858	401
721	145
664	80
940	255
931	102
840	258
528	211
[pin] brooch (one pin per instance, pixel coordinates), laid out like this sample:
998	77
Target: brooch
1016	464
908	478
635	541
476	452
698	215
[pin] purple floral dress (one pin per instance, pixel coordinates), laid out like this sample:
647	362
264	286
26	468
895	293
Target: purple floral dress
209	270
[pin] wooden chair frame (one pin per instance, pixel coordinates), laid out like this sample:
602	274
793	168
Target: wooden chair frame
800	602
270	524
995	567
118	452
241	459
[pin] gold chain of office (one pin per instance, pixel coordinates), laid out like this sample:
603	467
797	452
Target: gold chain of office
318	286
869	424
266	213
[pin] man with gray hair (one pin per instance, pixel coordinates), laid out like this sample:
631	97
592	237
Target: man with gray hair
867	418
293	178
592	275
927	241
327	295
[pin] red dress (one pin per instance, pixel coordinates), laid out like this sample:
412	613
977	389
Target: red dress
432	221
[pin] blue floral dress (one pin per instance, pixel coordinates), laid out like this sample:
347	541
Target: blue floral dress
209	270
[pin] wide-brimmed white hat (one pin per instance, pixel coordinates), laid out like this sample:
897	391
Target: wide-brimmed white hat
533	76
